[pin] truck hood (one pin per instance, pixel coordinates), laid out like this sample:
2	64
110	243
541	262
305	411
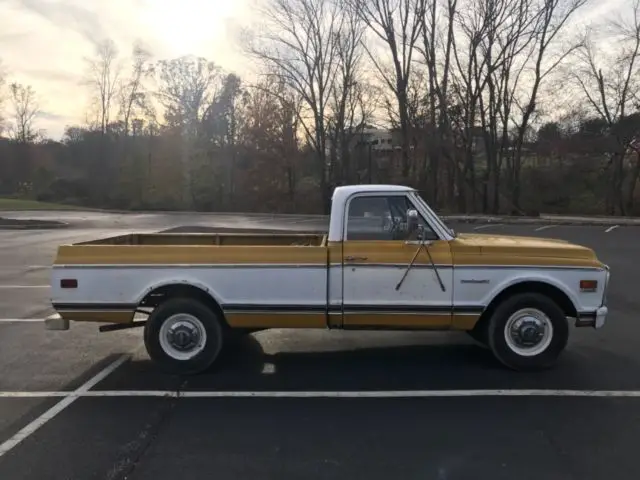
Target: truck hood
523	246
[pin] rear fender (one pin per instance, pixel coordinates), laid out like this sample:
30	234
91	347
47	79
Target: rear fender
184	281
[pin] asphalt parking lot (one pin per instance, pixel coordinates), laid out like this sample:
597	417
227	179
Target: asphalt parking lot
88	405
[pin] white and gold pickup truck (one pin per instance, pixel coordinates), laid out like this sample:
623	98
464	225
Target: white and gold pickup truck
387	262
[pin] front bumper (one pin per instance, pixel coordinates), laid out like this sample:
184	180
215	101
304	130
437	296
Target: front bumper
601	316
595	319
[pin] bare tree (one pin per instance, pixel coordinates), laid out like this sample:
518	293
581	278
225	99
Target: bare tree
551	18
102	78
347	102
298	44
21	129
272	123
611	86
488	56
437	51
188	87
25	110
466	89
397	24
132	94
503	53
134	107
2	97
221	124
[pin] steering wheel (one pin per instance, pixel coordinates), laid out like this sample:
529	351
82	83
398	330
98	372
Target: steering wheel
394	231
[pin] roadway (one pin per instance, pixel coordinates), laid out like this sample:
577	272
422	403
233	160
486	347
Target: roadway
117	424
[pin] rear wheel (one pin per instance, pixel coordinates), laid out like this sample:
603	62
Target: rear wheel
183	336
528	331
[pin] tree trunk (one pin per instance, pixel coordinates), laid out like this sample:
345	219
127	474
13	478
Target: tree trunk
633	181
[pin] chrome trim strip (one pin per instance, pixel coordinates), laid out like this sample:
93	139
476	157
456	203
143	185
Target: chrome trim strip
194	265
355	309
92	310
323	266
605	290
276	312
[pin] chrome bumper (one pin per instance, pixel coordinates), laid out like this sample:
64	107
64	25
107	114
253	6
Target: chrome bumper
595	319
56	322
601	317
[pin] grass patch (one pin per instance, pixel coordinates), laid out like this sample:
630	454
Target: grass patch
20	204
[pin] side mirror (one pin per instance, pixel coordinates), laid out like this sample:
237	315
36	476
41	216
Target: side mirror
412	220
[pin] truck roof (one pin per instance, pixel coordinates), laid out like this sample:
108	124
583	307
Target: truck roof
347	190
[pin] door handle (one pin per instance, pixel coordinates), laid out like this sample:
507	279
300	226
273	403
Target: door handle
355	259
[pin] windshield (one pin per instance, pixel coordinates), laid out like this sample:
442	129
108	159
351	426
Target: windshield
436	217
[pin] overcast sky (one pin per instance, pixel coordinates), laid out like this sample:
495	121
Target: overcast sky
43	42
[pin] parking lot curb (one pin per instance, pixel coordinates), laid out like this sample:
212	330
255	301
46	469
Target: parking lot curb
31	225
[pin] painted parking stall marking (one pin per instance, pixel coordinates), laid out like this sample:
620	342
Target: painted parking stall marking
482	227
87	393
68	399
21	320
19	287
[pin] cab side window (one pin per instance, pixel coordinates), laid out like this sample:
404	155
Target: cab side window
382	218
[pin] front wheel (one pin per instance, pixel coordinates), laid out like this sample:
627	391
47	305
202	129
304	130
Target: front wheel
528	331
183	336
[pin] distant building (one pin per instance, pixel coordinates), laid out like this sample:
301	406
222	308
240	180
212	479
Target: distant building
379	139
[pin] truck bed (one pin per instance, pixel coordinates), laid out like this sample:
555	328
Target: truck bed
220	239
188	249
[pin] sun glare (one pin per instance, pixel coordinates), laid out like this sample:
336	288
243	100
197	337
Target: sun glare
190	26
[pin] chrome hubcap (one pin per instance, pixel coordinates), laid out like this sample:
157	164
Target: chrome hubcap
528	332
182	336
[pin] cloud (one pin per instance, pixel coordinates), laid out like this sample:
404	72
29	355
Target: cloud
65	14
51	117
7	38
54	76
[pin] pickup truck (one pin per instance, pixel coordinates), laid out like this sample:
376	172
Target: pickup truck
387	262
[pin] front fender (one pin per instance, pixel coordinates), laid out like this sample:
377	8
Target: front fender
552	280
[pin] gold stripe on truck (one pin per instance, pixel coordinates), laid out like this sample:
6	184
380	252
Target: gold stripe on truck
276	320
188	255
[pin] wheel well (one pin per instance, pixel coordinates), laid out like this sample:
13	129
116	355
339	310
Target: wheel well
160	294
557	295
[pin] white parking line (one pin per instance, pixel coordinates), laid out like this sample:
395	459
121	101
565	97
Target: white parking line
323	394
21	320
482	227
611	229
17	287
545	227
68	399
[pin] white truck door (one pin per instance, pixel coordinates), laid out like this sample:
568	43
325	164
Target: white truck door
380	290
